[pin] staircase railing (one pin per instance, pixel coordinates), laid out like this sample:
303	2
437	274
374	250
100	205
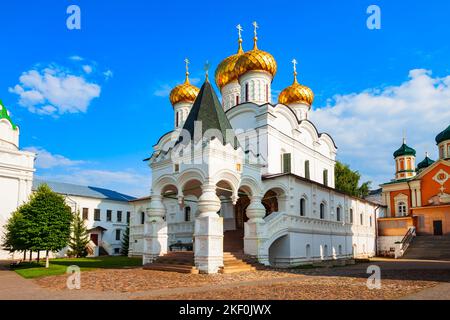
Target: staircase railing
402	246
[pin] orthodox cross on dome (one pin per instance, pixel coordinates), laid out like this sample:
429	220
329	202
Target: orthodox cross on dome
239	28
255	26
206	68
186	61
404	136
255	39
294	63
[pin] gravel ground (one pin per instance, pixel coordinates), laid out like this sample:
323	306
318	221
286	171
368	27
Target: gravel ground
398	279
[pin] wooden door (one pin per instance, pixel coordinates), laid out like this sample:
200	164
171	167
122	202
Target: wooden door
94	238
437	227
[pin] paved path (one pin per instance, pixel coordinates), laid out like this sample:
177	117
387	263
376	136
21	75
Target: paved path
14	287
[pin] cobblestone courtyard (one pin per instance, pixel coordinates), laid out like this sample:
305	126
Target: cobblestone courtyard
399	279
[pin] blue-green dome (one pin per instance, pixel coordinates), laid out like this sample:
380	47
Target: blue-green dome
404	150
425	163
444	135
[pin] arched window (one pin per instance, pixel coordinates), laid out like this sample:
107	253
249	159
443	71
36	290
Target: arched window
308	251
351	215
401	209
325	251
322	210
142	217
338	213
325	177
307	174
370	220
340	249
187	214
302	207
361	219
237	100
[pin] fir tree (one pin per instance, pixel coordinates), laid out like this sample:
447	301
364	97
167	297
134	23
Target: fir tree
79	237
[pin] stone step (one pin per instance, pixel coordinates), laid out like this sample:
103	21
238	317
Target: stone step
172	268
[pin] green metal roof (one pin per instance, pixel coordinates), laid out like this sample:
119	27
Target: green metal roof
4	115
207	111
444	135
404	150
425	163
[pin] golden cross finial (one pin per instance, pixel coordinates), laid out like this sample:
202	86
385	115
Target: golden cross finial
206	68
186	61
255	27
294	63
239	27
255	39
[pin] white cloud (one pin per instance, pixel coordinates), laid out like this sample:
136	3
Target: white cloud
368	126
87	68
108	74
54	91
163	91
76	58
47	160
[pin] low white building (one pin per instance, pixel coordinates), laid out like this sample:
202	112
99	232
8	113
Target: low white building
106	213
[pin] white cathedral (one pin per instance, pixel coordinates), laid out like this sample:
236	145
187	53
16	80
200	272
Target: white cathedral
246	177
241	178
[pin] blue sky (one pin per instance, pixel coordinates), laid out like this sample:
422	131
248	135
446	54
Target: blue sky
128	53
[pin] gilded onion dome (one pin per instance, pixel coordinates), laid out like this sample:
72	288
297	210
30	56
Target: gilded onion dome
296	92
226	71
256	60
185	92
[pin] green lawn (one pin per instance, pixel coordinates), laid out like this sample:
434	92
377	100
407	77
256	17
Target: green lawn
59	266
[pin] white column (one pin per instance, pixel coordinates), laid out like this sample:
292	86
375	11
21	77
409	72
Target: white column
255	230
155	231
208	231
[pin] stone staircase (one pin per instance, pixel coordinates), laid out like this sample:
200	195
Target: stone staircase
429	248
234	259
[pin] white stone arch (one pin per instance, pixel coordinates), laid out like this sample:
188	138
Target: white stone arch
325	137
308	128
252	184
288	114
230	177
188	175
162	182
277	186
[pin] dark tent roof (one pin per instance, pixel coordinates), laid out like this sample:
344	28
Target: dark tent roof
207	111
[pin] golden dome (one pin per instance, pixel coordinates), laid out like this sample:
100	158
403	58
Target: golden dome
296	93
226	71
184	92
256	60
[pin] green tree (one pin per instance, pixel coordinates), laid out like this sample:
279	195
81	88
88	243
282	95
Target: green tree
347	180
126	241
47	221
15	237
79	238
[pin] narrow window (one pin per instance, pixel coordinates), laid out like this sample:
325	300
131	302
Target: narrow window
338	214
246	92
307	174
361	219
351	215
370	221
302	207
119	216
142	217
85	214
128	216
108	215
118	234
97	214
267	92
286	162
177	118
237	100
322	211
187	214
325	177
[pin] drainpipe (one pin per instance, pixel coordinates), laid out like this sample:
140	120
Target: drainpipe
376	229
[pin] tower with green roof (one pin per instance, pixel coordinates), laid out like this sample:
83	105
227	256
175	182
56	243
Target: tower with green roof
405	162
443	143
9	131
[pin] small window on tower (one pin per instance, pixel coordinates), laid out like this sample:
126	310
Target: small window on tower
246	92
238	167
237	100
176	167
